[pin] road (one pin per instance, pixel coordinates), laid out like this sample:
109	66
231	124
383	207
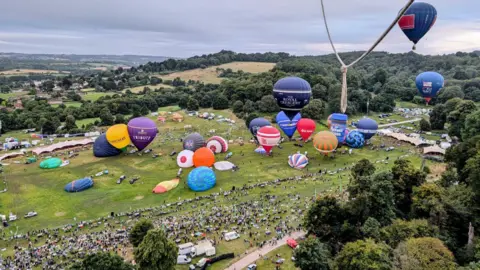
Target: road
399	123
254	255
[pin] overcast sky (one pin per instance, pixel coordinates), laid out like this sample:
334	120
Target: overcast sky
183	28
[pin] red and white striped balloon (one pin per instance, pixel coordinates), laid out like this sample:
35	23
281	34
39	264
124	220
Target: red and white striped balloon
268	137
217	144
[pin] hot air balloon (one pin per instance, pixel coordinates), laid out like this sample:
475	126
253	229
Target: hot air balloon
337	123
355	139
79	185
193	141
223	165
142	131
256	124
286	125
325	142
203	157
368	127
292	94
217	144
117	136
51	163
165	186
101	148
185	159
306	127
429	84
260	150
417	21
268	137
201	179
298	161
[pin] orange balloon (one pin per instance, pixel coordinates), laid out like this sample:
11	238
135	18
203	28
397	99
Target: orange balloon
203	157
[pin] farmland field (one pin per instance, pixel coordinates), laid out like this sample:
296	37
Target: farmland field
28	71
210	75
92	96
13	94
140	88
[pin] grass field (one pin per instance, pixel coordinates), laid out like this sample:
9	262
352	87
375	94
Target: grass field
29	71
42	190
92	96
86	121
284	252
138	89
210	75
13	94
69	104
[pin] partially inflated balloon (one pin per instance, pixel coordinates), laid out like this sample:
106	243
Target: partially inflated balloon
142	131
417	21
117	136
355	139
268	137
429	84
185	159
292	94
325	141
286	125
368	127
217	144
203	157
256	124
337	123
101	148
193	141
306	127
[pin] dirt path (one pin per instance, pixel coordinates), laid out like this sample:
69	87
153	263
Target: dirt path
253	256
399	123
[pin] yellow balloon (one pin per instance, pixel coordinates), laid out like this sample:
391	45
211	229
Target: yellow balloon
117	136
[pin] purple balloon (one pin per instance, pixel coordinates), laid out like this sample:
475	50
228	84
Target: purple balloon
142	131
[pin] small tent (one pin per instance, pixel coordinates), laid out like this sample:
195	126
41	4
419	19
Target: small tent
176	117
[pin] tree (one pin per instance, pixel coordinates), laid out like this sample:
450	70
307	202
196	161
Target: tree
425	125
220	102
426	200
405	177
400	230
237	106
319	91
456	118
382	103
249	106
106	118
371	228
119	119
312	255
183	101
424	253
156	252
438	117
449	93
449	178
314	110
451	104
102	260
206	101
381	76
364	255
70	123
472	125
47	86
268	104
362	168
139	230
192	104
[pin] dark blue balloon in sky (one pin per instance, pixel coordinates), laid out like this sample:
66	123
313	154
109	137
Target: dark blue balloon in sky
256	124
417	20
292	94
368	127
429	84
102	148
286	125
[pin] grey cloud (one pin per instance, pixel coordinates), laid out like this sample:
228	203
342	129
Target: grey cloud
186	27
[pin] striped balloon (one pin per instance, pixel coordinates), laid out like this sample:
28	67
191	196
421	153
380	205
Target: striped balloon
217	144
268	137
298	161
325	141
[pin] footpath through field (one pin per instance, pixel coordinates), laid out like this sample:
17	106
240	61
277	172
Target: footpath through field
259	253
399	123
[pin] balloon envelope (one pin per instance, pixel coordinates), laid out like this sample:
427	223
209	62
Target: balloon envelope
101	148
193	142
268	137
203	157
142	131
429	84
165	186
286	125
201	179
185	159
117	136
298	161
417	20
51	163
337	123
292	94
79	185
325	141
256	124
217	144
368	127
306	127
223	165
355	139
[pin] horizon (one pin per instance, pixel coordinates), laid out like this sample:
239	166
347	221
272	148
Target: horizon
183	29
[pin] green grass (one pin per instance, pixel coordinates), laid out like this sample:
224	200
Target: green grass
88	89
285	252
92	96
69	104
139	89
12	94
86	121
410	105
